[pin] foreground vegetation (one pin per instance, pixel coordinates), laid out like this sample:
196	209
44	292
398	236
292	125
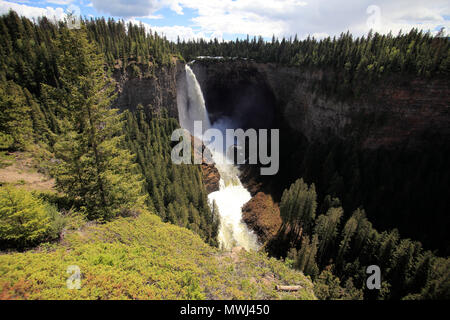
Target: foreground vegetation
144	258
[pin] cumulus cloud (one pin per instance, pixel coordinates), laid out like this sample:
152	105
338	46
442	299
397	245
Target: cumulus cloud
315	17
174	6
173	32
32	12
319	18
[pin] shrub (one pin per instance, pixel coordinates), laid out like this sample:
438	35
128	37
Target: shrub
144	258
67	220
6	141
24	219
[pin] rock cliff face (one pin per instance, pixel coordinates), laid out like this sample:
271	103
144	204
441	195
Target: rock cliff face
154	88
259	95
210	174
398	110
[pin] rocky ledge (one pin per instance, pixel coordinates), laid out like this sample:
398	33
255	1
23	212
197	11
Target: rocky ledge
210	177
262	215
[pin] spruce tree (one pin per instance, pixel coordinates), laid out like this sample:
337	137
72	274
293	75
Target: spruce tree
298	207
94	168
327	229
16	126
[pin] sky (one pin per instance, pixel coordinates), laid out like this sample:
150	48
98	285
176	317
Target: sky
231	19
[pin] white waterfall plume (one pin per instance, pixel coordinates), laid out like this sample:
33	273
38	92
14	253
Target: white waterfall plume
191	104
229	199
231	195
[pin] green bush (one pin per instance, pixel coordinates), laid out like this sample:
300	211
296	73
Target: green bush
69	220
24	219
6	141
144	258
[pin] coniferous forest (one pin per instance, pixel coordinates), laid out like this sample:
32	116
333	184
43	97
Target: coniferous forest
56	93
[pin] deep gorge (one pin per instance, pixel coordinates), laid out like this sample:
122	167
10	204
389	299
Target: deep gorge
369	151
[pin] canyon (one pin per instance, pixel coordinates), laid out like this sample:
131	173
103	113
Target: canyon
270	96
400	117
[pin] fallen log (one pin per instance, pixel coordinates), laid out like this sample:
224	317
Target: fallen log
288	288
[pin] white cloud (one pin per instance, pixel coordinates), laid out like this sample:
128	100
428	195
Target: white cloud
174	6
320	35
172	32
61	2
225	18
154	16
30	11
314	17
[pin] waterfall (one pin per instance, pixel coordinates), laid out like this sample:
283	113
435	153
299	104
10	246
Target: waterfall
191	104
231	195
230	198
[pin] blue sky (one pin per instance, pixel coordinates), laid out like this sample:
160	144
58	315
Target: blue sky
228	19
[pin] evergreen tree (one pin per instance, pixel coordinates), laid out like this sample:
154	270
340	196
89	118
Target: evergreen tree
438	285
94	168
347	234
327	229
16	127
298	207
306	257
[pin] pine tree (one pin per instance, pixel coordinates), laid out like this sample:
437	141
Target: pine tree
438	285
16	127
306	257
94	168
327	229
363	231
346	235
298	207
401	266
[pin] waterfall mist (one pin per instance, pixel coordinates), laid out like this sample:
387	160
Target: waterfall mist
231	195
